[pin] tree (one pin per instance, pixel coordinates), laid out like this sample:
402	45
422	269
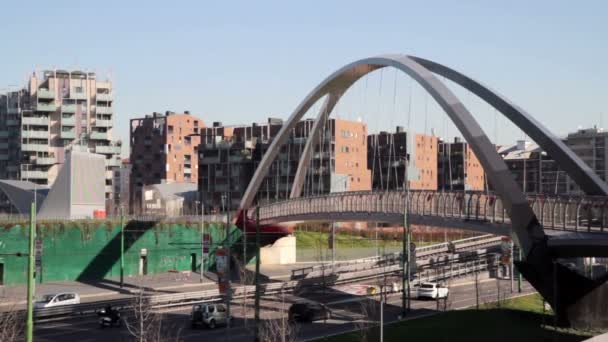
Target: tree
11	325
147	324
247	278
370	315
278	329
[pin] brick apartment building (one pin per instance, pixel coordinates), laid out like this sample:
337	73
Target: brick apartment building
386	158
229	155
164	149
458	168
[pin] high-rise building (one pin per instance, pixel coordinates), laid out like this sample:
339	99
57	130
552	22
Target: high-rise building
387	155
533	169
55	111
122	178
458	168
164	149
591	145
227	161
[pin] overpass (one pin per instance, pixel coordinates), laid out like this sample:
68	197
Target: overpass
574	297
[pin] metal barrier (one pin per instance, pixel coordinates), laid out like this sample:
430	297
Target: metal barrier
421	253
584	213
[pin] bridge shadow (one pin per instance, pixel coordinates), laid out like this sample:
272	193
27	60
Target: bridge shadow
94	273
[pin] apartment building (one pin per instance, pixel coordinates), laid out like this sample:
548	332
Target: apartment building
122	177
55	111
458	168
164	149
533	169
225	166
591	145
388	155
227	161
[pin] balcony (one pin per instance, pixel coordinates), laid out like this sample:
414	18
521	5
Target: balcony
68	108
103	123
46	107
187	171
68	121
35	147
39	121
98	136
78	96
12	122
3	134
4	156
12	110
103	110
210	160
71	134
3	146
45	161
113	162
34	175
107	149
109	189
35	134
104	97
45	94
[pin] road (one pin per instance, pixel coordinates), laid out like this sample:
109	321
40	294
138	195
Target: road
346	311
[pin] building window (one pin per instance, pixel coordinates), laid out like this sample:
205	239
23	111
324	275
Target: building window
170	129
78	90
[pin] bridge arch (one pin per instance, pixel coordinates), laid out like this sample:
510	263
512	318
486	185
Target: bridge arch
577	169
525	225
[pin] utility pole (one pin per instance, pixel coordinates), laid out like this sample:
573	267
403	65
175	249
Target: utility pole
519	273
512	266
31	276
202	242
333	246
229	289
257	273
405	286
122	247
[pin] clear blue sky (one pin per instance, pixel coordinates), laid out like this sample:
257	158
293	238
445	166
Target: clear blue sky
240	62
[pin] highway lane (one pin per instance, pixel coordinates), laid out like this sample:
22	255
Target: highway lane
346	312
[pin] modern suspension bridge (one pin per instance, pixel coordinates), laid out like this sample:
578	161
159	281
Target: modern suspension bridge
545	228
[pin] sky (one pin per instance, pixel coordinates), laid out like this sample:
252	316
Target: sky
243	61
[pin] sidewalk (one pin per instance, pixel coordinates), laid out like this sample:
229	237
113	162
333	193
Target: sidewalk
110	288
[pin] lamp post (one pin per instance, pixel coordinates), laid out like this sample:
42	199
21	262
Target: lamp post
122	246
31	276
405	286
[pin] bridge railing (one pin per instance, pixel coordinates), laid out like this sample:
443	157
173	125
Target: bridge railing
575	213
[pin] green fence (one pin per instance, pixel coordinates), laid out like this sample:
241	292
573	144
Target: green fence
86	251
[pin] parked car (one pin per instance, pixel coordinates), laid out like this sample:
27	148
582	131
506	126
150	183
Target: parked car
432	290
59	299
208	315
306	311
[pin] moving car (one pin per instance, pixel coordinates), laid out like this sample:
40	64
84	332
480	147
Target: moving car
208	315
59	299
306	311
108	317
432	290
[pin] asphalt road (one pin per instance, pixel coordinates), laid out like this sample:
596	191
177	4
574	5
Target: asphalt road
346	311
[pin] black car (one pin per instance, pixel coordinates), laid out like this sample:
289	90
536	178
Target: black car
308	312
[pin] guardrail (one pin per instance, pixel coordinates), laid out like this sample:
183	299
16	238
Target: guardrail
452	267
573	213
392	258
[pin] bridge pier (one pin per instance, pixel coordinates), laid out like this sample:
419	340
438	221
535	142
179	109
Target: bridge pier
578	301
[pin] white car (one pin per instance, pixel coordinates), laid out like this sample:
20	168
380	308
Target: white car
432	290
59	299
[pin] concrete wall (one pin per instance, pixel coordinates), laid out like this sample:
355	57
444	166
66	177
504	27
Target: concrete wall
282	252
